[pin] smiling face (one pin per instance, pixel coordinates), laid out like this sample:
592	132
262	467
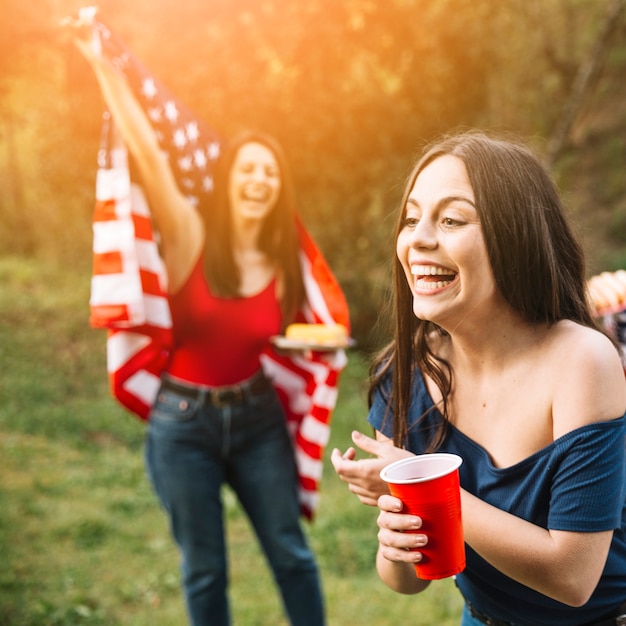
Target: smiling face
441	246
254	183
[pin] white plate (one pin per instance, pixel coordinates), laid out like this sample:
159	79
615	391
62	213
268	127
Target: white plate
285	343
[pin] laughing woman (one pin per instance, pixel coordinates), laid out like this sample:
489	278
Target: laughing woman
234	280
496	358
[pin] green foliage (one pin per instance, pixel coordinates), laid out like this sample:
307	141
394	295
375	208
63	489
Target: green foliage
351	89
82	539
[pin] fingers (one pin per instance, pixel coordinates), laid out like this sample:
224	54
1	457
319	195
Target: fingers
366	496
399	534
384	450
368	500
352	470
337	459
367	444
362	476
84	32
86	17
373	447
390	504
401	547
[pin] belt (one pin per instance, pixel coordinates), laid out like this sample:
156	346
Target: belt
617	619
220	396
486	619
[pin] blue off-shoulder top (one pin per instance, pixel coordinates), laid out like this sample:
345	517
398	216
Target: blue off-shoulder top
577	483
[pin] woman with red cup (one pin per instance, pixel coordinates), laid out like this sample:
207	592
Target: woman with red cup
495	357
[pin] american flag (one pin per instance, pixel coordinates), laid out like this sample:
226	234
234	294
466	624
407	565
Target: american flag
129	284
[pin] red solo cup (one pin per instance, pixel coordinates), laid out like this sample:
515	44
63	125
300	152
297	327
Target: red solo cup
429	487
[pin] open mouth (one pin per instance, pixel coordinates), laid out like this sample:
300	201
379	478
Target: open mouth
431	277
255	194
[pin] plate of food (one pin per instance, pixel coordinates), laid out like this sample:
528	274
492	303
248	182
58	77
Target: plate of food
607	292
319	337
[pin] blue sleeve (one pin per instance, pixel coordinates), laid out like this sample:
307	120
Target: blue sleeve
588	488
421	419
380	415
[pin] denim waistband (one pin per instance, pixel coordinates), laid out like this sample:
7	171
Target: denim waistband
219	396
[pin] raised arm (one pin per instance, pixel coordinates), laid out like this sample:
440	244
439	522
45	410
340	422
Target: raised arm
178	222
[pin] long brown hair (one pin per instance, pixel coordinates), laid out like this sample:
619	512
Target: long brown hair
537	262
278	239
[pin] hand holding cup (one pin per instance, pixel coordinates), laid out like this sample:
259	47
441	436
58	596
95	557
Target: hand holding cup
429	488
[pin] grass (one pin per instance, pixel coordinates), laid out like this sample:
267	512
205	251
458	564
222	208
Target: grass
82	539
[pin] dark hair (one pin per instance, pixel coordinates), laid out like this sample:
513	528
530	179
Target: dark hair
278	239
537	262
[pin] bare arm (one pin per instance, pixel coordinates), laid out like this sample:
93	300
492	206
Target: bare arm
562	565
565	566
178	222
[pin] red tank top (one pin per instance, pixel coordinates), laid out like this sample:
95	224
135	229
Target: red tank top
218	341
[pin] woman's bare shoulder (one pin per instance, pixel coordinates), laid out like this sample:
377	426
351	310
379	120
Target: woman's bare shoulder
581	343
588	377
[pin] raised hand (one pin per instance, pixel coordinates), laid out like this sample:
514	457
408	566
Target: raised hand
82	28
363	475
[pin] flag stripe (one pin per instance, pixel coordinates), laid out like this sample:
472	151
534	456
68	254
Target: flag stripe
128	289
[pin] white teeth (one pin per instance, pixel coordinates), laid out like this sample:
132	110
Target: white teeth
430	270
256	194
425	285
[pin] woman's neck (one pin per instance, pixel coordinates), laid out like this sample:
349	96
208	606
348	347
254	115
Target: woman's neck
494	345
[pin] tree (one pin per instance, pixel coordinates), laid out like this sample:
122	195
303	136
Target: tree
351	89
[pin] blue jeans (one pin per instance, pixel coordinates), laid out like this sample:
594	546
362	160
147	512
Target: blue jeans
468	619
191	451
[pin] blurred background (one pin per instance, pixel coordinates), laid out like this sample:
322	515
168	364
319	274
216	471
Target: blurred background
351	88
